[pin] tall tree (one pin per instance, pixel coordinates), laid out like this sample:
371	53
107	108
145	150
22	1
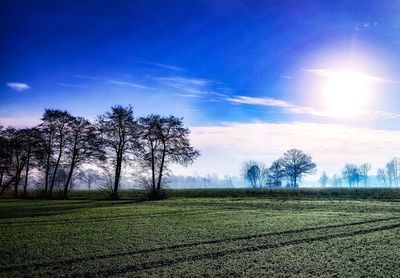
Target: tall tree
251	173
296	164
351	174
54	128
119	132
276	173
364	170
164	140
381	175
323	180
393	171
5	159
82	145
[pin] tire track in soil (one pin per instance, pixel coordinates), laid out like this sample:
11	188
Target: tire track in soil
67	263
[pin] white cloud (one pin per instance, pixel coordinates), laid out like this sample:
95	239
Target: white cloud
225	147
164	66
20	121
191	86
298	109
18	86
128	84
329	73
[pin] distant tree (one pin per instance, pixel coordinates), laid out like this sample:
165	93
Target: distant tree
336	181
83	145
264	175
89	177
351	174
5	160
164	140
120	134
323	180
364	170
276	173
393	171
251	172
381	175
296	164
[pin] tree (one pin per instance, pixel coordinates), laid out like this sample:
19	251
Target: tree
336	181
5	159
351	174
82	145
276	173
55	131
119	132
364	169
164	140
33	145
323	179
381	175
392	172
296	164
251	172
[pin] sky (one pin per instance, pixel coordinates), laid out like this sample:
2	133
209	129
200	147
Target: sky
250	78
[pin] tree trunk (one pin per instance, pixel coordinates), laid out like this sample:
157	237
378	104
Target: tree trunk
117	177
161	170
66	185
26	174
153	174
55	169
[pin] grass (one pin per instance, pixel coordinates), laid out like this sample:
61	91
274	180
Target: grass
202	236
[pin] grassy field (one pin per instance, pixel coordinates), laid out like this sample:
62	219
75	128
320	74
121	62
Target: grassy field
182	236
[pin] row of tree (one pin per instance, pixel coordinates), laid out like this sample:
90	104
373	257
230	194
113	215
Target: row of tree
115	140
291	167
354	175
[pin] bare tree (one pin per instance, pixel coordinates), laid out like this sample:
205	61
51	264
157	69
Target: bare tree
392	172
82	145
276	173
120	133
164	140
351	174
364	170
251	172
5	160
323	180
55	131
296	164
381	175
336	181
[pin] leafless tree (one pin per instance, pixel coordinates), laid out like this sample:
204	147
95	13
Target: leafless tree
296	164
251	172
323	180
364	170
119	132
276	173
164	140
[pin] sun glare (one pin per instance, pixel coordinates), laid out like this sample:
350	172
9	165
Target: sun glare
346	93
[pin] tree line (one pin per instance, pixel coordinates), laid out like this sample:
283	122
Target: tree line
62	143
291	167
358	175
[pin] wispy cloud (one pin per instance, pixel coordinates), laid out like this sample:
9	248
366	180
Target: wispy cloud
286	76
225	147
190	86
330	73
128	84
87	77
298	109
18	86
164	66
70	85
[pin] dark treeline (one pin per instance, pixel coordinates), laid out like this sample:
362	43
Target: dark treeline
52	152
291	167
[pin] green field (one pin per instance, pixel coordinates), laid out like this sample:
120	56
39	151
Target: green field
182	236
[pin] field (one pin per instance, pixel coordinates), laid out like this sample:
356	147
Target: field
202	236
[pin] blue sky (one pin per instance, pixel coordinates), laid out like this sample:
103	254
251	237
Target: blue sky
218	64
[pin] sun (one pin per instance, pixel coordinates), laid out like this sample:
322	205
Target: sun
346	93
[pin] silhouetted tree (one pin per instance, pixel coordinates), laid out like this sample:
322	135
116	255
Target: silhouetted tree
251	172
164	140
296	164
119	133
5	159
82	145
364	170
276	173
392	172
381	175
54	128
323	180
351	174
